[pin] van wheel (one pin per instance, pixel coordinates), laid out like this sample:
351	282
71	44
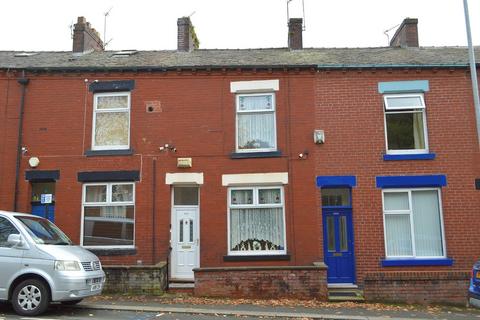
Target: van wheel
71	302
30	298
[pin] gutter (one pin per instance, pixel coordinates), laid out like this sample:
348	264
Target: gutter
235	67
23	82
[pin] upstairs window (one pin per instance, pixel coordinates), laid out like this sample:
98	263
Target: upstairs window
111	121
405	124
256	127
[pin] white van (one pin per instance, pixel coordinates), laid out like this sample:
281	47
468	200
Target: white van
39	264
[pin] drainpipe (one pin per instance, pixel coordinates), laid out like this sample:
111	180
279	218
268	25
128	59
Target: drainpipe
473	69
154	210
23	82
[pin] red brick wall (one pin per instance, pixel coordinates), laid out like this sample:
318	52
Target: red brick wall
198	117
417	287
286	282
350	110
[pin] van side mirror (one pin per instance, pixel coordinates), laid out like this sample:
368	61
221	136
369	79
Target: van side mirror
15	240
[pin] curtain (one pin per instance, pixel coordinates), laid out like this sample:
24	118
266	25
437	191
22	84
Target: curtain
256	130
256	229
111	128
242	196
396	201
255	102
269	196
418	131
398	235
427	225
96	193
122	192
112	102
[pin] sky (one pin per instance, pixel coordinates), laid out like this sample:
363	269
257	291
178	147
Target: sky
44	25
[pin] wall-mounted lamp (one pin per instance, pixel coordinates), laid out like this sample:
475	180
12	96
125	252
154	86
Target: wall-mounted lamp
24	150
168	147
33	162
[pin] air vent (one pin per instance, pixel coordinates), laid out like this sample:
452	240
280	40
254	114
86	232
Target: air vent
125	53
25	54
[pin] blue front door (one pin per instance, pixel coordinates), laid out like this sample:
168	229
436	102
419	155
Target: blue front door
44	211
338	245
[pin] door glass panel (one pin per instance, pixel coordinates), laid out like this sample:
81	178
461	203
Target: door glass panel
343	234
191	230
335	197
331	233
181	231
185	196
39	188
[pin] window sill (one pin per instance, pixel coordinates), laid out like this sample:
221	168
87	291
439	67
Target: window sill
416	262
246	155
113	252
419	156
101	153
270	257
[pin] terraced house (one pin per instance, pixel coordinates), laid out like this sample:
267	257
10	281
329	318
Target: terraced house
260	172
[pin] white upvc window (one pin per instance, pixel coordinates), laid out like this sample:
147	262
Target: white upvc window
255	124
111	121
256	221
405	124
108	215
413	223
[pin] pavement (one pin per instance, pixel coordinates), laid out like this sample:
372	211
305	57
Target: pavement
275	309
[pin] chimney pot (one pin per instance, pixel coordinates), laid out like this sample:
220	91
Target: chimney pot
406	35
295	30
85	38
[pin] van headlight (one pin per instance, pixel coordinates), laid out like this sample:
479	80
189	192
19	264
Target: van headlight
63	265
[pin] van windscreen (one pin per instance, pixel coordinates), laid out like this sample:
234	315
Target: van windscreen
43	231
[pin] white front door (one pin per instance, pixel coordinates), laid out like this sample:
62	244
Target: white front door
185	242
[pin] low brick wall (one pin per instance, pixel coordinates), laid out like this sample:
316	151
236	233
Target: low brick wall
135	279
303	282
424	287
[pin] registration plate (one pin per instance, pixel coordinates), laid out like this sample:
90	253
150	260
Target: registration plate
95	287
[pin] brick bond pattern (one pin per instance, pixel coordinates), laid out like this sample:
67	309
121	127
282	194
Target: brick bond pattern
264	283
447	287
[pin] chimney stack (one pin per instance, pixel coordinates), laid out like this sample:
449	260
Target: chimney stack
86	38
406	35
186	38
295	30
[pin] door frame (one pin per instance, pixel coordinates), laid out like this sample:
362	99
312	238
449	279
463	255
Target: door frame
331	209
173	232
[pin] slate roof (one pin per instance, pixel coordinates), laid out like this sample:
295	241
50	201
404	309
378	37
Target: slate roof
233	58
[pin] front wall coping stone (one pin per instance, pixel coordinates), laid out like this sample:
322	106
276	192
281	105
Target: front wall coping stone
113	252
159	265
262	268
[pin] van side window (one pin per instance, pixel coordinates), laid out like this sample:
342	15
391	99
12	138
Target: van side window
6	229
